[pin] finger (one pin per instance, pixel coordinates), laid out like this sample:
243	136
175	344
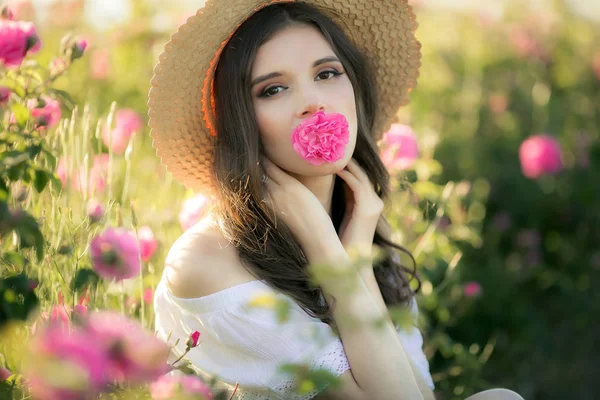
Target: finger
352	182
358	171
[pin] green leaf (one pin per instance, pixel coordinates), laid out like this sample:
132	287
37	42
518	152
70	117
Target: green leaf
41	180
84	277
21	113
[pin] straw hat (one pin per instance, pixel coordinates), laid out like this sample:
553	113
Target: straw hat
180	99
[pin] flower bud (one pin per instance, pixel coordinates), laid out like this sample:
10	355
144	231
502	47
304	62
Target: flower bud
6	13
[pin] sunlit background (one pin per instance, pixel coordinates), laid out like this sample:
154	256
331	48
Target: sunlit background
496	184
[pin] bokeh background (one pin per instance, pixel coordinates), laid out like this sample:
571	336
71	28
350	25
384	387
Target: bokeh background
497	183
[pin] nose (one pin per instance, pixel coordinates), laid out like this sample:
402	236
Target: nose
311	106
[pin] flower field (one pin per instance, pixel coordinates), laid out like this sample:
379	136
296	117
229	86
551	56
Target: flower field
496	192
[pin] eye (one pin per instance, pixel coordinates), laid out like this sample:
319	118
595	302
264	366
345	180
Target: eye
333	72
271	91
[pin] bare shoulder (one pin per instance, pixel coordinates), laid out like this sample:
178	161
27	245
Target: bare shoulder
202	262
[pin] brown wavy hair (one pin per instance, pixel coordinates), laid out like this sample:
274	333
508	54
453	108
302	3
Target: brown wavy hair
267	247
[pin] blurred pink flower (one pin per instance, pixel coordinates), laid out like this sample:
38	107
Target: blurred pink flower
17	39
400	148
174	387
130	120
526	44
95	211
148	295
82	45
596	66
100	64
115	254
192	211
6	13
539	155
472	289
4	374
21	9
46	113
148	243
59	315
96	179
4	95
127	124
498	103
135	355
65	365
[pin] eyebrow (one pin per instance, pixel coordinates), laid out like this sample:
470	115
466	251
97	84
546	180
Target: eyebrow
263	78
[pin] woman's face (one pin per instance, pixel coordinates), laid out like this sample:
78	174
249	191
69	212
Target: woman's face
294	89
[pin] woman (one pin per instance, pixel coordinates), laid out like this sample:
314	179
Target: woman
272	109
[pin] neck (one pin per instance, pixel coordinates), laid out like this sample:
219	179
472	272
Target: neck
321	186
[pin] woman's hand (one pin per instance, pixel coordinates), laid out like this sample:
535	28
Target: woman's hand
363	210
302	212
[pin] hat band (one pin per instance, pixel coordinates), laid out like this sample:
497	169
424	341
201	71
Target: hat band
208	84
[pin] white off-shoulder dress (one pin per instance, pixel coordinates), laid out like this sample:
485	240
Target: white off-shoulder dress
247	344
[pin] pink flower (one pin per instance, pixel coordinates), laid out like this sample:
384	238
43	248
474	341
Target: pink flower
148	243
100	64
115	254
65	365
193	340
17	38
400	148
134	354
540	154
95	211
321	138
192	211
175	387
4	95
59	314
21	9
46	112
472	289
596	66
6	13
148	295
128	123
4	374
95	181
82	45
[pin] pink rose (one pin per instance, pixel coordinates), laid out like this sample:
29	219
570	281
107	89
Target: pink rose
4	95
115	254
17	38
540	154
596	66
192	211
46	113
21	9
67	365
193	340
472	289
321	138
95	211
400	148
148	243
174	387
134	355
127	124
4	374
148	295
82	45
100	64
